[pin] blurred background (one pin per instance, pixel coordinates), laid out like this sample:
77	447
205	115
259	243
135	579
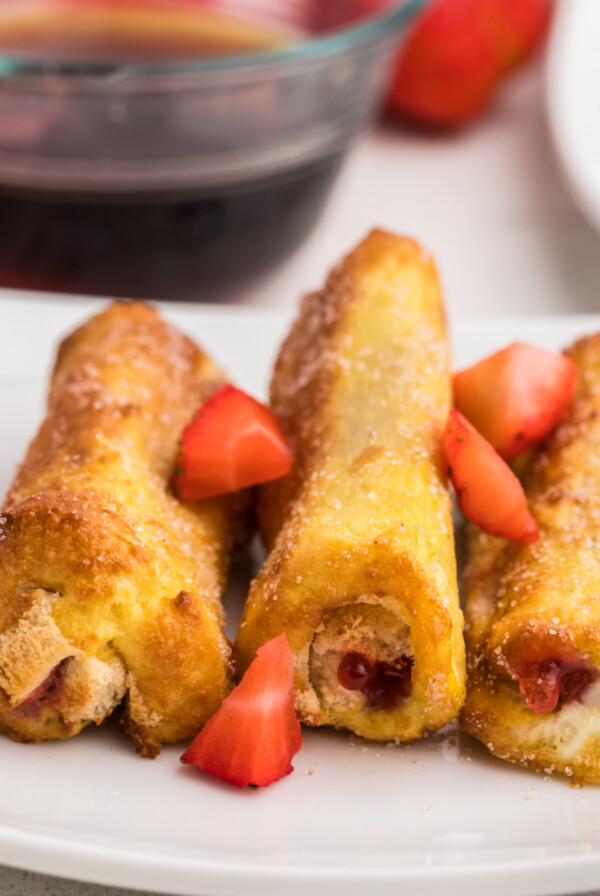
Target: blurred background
231	150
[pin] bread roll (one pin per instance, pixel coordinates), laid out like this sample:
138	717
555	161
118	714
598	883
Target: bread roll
110	588
361	572
533	611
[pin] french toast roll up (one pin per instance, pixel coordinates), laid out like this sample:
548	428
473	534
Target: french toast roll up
533	611
361	571
110	588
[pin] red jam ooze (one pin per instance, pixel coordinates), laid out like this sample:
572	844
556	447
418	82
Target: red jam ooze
46	695
383	684
544	681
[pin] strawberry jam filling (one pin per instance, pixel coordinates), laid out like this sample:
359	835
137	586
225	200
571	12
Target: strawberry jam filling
47	694
544	681
383	684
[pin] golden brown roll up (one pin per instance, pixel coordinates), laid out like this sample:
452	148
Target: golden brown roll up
361	572
109	587
533	611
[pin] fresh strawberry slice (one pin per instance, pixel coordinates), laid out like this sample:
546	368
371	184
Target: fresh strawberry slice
255	734
543	681
516	396
488	492
233	442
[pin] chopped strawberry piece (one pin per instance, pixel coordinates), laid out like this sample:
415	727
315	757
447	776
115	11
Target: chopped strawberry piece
254	735
487	490
233	442
543	681
459	53
516	396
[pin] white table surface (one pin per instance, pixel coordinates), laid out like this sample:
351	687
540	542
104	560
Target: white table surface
489	204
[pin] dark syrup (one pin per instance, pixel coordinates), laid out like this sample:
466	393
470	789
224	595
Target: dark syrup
198	244
178	246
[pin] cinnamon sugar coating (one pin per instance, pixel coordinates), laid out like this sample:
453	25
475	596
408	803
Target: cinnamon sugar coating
523	599
362	550
110	588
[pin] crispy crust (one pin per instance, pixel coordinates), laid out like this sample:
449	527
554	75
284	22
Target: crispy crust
362	546
520	596
109	587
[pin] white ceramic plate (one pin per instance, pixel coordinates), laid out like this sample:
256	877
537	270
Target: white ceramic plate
437	816
573	99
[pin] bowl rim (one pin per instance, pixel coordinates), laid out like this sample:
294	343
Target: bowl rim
374	27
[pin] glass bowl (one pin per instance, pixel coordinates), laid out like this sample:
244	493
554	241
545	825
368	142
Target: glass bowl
132	173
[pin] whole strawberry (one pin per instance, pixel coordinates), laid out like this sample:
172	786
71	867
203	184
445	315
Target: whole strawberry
459	53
